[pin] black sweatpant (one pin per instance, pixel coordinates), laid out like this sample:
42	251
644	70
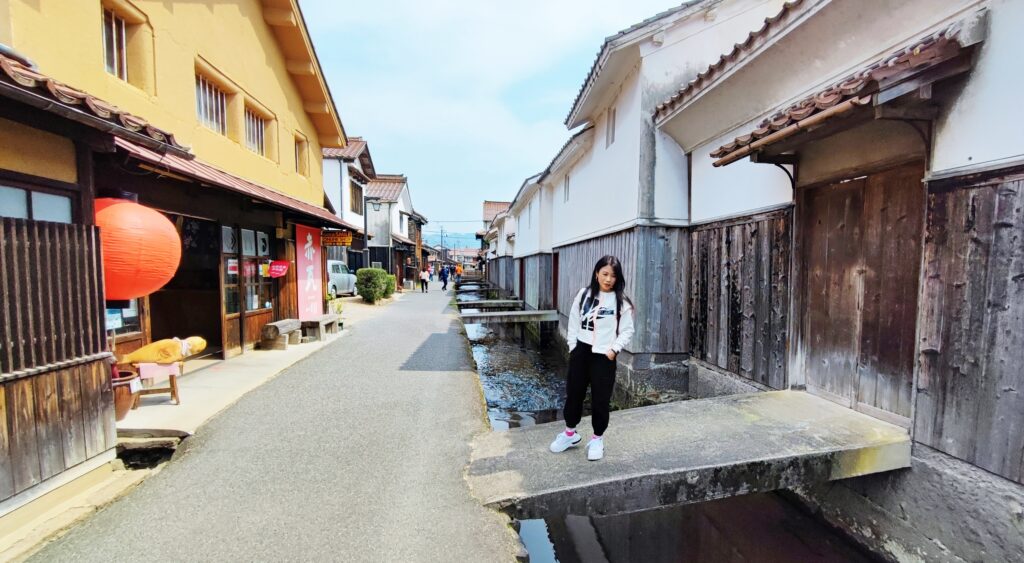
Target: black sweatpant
423	286
587	369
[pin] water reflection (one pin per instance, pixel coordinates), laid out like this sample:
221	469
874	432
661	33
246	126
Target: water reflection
761	528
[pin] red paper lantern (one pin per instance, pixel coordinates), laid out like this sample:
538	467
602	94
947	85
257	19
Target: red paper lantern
141	248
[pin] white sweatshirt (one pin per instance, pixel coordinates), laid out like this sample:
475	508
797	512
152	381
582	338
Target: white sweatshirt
596	325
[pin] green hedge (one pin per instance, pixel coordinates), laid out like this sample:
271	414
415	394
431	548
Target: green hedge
389	288
372	284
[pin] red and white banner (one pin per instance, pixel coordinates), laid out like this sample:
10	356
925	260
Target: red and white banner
309	273
278	268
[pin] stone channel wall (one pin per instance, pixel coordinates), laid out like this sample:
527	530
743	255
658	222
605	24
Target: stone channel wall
941	509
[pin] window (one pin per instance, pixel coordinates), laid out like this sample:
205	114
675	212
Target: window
127	319
211	105
355	195
301	157
609	128
115	46
565	187
529	215
255	132
20	203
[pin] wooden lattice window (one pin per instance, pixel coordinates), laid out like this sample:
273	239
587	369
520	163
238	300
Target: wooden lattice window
211	105
255	132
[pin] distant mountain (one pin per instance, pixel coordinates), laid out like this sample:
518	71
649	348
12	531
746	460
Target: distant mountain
452	240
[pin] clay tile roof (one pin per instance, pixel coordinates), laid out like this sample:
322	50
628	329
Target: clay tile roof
194	168
388	187
493	208
853	90
351	151
739	51
16	75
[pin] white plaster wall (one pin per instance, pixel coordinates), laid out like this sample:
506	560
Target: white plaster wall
546	218
332	178
604	181
670	198
346	196
529	220
336	182
684	50
691	45
840	38
379	224
736	189
984	125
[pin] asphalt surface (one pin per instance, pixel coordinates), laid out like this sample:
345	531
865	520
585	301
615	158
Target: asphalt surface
356	453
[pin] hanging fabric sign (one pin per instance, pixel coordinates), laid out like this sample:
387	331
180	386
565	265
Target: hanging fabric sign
309	273
278	268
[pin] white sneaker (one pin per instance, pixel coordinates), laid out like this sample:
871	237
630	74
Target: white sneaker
595	449
563	442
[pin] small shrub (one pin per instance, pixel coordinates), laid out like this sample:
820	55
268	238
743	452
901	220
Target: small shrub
390	286
371	283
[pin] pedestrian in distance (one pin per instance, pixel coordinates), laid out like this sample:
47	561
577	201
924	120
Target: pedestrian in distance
424	280
458	273
444	278
600	326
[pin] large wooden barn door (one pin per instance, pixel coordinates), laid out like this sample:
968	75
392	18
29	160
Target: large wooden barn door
860	258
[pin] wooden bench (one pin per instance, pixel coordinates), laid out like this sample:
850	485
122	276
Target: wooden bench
279	334
319	328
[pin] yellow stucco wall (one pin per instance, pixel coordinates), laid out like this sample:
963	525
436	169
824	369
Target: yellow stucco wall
65	39
31	151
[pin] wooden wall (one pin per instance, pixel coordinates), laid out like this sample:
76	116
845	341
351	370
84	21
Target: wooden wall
53	421
56	400
660	293
501	271
739	295
539	282
576	264
970	399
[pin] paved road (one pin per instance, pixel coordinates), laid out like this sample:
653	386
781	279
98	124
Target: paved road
354	454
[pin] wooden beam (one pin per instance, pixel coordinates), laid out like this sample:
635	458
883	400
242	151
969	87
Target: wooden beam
762	158
317	107
917	113
301	68
280	17
331	141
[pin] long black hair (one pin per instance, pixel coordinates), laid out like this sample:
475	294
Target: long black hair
594	293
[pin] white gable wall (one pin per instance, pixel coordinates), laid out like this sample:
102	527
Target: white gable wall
336	187
744	187
671	60
604	181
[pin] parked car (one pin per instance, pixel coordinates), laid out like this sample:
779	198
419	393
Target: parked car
340	280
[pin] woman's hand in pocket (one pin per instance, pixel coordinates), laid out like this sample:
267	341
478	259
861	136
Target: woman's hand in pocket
610	354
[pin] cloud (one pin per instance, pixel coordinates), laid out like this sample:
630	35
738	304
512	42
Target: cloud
462	95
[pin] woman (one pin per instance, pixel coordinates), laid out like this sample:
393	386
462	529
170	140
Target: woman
424	278
600	325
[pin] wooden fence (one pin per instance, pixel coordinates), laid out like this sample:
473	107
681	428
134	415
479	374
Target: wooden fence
56	401
739	295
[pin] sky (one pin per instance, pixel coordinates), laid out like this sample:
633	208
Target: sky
465	97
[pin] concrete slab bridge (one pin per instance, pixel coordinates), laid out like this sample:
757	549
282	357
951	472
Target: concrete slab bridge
685	452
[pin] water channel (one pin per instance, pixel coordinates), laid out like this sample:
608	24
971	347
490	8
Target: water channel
523	385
